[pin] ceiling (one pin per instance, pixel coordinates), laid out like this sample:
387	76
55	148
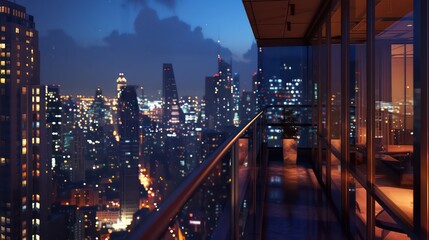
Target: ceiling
277	22
291	22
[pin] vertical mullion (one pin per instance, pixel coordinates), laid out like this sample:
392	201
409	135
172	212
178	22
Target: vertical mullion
421	117
370	66
319	105
328	103
345	101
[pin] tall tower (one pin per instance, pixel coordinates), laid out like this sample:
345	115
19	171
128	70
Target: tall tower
236	99
210	97
224	95
97	114
129	154
121	81
172	114
23	159
54	123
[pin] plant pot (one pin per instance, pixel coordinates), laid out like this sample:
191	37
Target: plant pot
290	150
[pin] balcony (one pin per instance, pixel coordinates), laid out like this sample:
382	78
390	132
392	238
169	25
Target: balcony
246	190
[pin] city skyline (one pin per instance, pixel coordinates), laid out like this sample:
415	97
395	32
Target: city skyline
137	39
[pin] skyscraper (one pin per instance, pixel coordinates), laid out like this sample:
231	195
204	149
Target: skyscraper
53	122
210	108
121	82
97	121
129	150
224	95
23	159
172	119
236	99
172	114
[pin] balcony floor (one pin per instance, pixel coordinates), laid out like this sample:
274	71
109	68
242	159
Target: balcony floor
295	205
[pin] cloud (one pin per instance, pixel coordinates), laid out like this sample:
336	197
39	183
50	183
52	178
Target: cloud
168	3
139	55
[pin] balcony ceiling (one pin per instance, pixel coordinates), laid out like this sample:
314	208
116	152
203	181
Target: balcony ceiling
274	22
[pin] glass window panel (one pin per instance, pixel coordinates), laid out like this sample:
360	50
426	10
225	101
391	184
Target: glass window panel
358	86
323	64
335	101
394	103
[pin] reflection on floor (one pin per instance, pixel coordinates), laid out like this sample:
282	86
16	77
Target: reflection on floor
296	207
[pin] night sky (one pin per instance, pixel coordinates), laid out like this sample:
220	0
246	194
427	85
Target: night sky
86	43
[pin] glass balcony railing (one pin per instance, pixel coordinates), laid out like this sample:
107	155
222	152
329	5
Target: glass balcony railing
218	199
222	198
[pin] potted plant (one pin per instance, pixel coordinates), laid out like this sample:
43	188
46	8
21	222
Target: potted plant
290	136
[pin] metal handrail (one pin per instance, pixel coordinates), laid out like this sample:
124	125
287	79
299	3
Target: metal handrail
155	226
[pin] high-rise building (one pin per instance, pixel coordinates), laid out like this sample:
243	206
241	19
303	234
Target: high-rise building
224	95
221	92
236	99
256	88
191	109
24	169
210	100
97	113
129	152
121	82
54	123
247	105
172	115
78	156
173	120
68	125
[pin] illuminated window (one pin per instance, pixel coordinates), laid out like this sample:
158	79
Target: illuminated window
16	30
2	80
3	63
2	45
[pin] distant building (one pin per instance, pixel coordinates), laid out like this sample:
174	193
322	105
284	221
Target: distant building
224	95
96	133
172	114
173	122
54	123
236	99
84	197
77	154
121	82
129	152
247	106
210	100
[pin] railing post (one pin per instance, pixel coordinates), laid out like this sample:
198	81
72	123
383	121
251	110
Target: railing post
234	192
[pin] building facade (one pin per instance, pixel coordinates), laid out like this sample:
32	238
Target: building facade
24	167
129	153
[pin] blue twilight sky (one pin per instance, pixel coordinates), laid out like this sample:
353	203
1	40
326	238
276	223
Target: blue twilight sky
85	43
